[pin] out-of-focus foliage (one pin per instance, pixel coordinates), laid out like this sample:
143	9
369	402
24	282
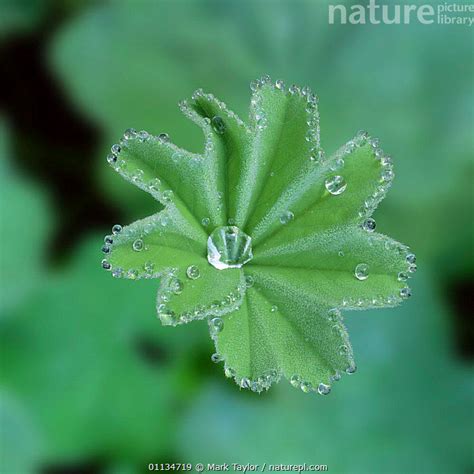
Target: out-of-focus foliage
24	212
96	370
20	16
406	410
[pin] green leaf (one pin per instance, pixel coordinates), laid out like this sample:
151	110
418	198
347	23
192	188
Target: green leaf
303	219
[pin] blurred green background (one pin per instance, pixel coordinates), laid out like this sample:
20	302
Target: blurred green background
90	381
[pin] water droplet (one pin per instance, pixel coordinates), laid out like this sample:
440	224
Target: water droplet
249	281
274	309
229	247
143	135
340	253
405	292
335	185
105	249
205	221
286	217
111	158
295	380
369	225
402	276
217	325
193	272
324	389
387	175
108	240
351	369
411	258
168	318
337	164
279	84
164	137
229	372
167	195
116	229
117	272
218	125
245	383
154	184
115	149
106	265
306	387
412	268
334	315
132	274
176	156
343	350
216	358
149	267
138	245
230	221
361	271
293	89
129	133
177	287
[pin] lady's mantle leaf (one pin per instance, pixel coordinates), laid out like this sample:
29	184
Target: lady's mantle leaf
310	246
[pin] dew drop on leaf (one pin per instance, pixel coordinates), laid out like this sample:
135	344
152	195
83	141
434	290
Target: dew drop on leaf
192	272
132	274
216	358
306	387
117	272
106	265
402	276
217	325
411	258
167	195
335	185
286	217
138	245
116	229
149	267
324	389
218	125
295	380
205	221
405	292
369	225
361	271
164	137
274	309
249	281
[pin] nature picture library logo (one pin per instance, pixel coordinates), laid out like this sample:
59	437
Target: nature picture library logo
404	13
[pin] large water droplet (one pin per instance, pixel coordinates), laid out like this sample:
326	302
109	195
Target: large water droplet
335	185
411	258
229	247
218	125
361	271
192	272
